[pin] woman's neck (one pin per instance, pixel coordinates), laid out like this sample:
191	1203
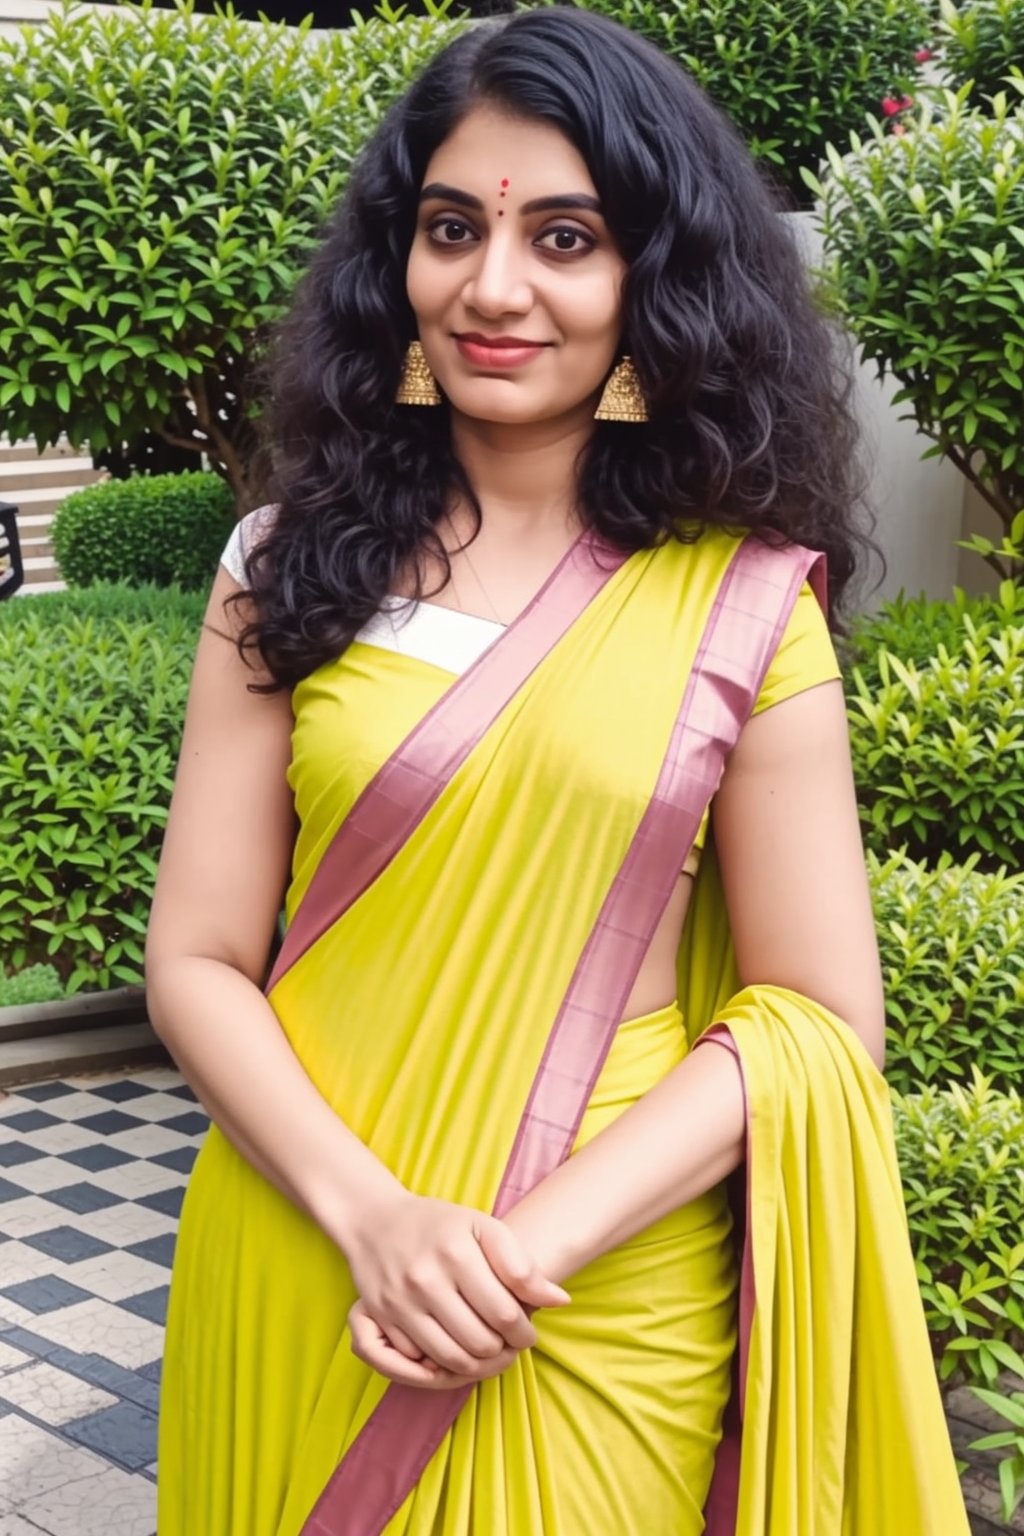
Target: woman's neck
524	476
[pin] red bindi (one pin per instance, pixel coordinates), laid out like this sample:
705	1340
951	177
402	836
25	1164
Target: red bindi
504	181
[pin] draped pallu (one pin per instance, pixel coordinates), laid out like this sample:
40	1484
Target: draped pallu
480	866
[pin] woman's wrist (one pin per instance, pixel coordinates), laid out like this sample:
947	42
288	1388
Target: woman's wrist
350	1211
539	1222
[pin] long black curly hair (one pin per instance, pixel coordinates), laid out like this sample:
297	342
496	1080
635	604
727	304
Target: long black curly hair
749	424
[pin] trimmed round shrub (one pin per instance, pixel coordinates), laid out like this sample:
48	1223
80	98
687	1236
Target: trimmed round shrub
938	745
982	42
36	984
791	77
151	528
91	711
951	942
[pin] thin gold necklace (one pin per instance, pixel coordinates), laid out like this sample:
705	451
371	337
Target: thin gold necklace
476	577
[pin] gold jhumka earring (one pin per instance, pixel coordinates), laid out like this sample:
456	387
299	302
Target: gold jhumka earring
417	385
623	399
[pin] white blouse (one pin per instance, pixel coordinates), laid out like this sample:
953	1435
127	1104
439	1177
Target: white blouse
442	636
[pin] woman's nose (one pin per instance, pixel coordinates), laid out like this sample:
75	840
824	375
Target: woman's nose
499	283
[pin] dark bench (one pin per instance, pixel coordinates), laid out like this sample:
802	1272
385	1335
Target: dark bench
12	570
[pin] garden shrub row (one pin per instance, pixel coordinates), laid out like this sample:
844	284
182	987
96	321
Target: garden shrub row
961	1152
93	701
951	941
936	706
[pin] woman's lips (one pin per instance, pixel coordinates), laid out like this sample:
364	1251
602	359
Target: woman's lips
498	354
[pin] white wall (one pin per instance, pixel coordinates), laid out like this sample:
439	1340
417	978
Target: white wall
920	504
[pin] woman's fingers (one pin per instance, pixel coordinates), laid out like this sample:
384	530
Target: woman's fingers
370	1344
401	1341
515	1268
497	1306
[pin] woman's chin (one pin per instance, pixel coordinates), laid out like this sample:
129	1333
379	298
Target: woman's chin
522	412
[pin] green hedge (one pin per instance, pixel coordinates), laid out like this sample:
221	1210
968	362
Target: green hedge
951	941
94	693
938	739
961	1153
149	528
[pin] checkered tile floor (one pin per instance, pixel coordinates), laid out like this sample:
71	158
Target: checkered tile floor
92	1174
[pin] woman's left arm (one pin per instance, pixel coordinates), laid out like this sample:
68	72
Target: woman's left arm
796	888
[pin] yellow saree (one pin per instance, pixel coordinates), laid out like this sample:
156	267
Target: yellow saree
452	982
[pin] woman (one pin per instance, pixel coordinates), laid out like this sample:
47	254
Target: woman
457	1256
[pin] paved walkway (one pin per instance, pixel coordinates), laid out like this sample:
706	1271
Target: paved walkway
92	1173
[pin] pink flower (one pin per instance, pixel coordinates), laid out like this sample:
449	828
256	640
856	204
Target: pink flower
923	55
890	106
898	128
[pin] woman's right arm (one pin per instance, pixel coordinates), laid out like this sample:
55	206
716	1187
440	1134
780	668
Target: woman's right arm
223	872
418	1263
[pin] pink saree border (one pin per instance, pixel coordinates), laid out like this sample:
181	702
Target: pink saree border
402	791
757	593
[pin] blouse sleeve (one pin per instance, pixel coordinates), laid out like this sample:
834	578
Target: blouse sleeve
244	534
805	656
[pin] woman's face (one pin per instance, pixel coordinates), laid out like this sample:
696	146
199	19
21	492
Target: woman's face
513	275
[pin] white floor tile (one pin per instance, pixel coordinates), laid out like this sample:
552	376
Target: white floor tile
158	1077
155	1107
65	1137
113	1276
13	1316
53	1396
14	1525
122	1224
75	1106
19	1262
114	1503
97	1327
89	1080
34	1462
11	1359
131	1180
24	1218
14	1104
148	1140
44	1174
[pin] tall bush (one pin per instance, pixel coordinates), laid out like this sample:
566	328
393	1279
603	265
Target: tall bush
938	750
90	720
983	43
924	243
791	77
951	941
961	1153
151	528
163	175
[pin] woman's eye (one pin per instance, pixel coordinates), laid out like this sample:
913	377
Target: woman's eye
450	232
569	242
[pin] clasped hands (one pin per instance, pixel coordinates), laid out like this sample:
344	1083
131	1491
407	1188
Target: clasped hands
445	1292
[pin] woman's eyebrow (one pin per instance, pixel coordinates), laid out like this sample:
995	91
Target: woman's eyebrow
578	200
438	189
